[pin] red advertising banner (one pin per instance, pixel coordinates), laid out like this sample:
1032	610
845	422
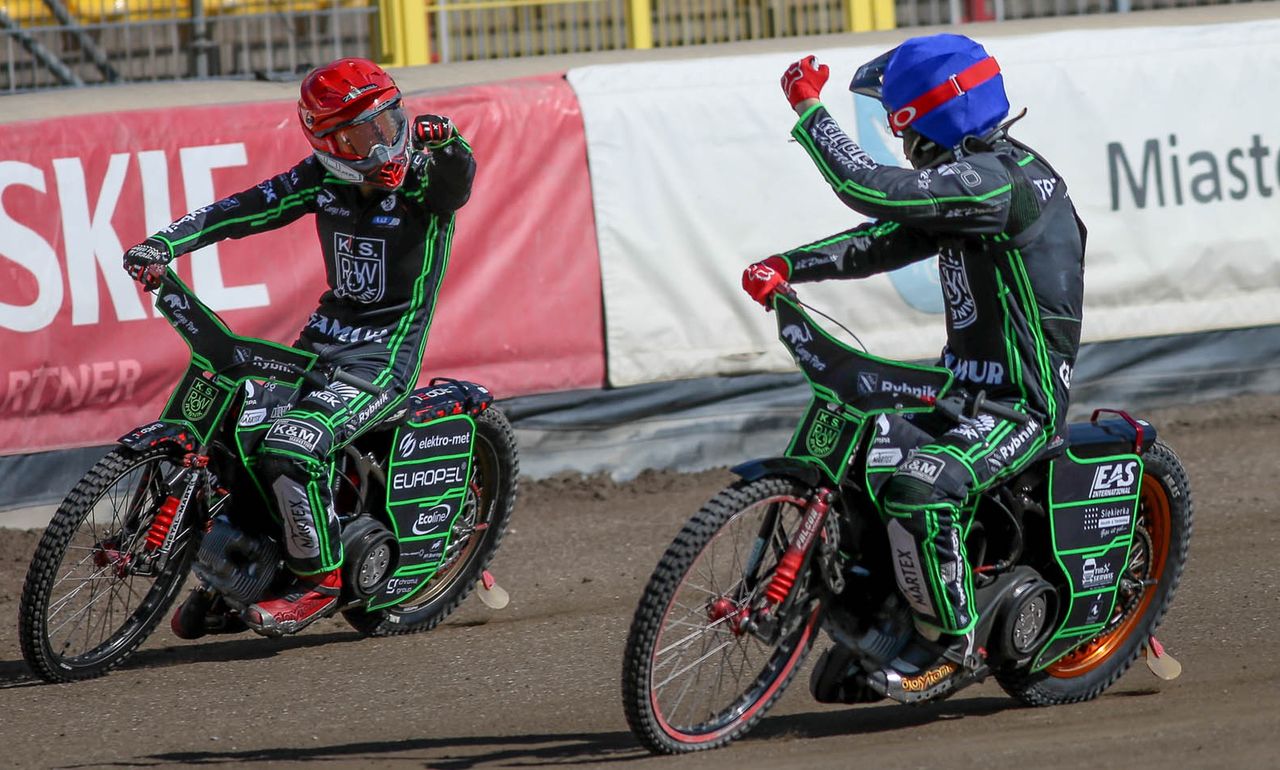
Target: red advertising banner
83	353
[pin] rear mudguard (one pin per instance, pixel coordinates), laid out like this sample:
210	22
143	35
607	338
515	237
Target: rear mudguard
157	433
805	473
1108	437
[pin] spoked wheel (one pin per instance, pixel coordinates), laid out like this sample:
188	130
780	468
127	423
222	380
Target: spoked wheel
1146	589
477	533
696	674
95	589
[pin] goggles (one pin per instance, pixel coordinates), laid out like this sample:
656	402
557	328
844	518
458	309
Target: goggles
369	136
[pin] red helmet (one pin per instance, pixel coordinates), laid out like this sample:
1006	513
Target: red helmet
350	110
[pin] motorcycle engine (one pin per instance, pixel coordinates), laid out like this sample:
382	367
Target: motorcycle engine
238	565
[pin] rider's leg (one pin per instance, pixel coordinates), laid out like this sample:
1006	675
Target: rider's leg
295	465
925	503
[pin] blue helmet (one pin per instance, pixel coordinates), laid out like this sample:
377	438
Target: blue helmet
946	87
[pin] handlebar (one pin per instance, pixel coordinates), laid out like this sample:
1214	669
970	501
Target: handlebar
356	382
318	381
955	408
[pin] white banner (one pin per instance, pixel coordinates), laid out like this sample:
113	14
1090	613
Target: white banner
1168	138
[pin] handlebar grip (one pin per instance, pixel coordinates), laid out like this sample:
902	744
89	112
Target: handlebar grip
356	382
999	410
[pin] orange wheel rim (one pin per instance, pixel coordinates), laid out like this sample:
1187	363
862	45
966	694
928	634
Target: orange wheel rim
1156	518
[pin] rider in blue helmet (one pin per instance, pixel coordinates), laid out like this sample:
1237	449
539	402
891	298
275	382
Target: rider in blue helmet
1011	265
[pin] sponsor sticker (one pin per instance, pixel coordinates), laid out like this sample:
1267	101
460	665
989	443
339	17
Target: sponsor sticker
906	565
1095	574
428	522
198	400
296	432
922	467
362	267
1115	479
824	433
884	457
929	678
251	417
955	288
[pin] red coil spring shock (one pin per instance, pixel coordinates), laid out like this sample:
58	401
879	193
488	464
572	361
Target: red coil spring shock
160	526
784	577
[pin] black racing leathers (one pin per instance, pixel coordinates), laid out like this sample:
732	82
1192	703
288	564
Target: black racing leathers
385	254
1011	263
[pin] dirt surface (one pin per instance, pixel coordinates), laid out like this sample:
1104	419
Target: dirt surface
536	685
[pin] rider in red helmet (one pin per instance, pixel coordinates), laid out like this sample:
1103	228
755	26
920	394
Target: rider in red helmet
383	191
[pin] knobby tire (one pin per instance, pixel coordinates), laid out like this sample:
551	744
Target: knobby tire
41	614
639	693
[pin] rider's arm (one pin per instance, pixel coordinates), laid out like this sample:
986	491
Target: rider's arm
449	169
970	196
875	247
272	203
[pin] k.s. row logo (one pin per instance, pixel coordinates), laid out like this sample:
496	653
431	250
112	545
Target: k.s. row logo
361	267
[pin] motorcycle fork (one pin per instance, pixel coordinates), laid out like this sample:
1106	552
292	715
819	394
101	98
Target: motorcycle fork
780	594
174	512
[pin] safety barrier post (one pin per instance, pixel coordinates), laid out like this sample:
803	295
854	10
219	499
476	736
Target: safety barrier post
402	32
640	23
868	15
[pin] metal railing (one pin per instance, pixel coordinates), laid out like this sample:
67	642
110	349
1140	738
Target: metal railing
101	41
49	43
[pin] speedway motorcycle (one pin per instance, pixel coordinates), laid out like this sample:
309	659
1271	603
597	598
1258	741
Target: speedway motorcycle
423	499
1074	561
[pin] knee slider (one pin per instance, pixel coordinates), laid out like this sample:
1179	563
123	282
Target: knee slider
272	466
904	491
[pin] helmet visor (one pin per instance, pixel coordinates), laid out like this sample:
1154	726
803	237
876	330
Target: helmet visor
363	137
869	79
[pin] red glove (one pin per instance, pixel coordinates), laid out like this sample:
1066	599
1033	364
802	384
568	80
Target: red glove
430	131
763	278
804	80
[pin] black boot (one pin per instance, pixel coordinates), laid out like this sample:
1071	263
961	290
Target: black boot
837	679
205	612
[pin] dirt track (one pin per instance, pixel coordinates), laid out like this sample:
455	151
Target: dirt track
537	684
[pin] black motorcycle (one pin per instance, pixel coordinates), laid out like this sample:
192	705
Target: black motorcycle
1074	561
424	500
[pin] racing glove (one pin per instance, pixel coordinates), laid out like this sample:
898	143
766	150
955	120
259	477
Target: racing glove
145	262
804	80
432	131
763	278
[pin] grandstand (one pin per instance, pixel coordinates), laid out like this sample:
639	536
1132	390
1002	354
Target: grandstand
55	43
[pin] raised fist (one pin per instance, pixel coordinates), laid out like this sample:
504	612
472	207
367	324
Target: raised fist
804	80
432	131
145	262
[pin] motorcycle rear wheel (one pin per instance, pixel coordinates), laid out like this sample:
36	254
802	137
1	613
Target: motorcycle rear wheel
1158	554
687	638
487	514
88	600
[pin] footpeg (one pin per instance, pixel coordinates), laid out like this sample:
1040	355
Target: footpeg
493	595
1161	663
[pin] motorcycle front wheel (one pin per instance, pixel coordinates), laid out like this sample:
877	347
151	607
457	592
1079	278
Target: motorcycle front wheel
696	675
94	591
